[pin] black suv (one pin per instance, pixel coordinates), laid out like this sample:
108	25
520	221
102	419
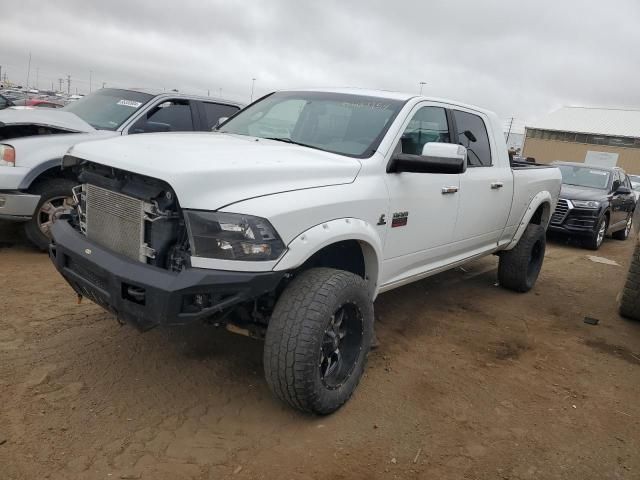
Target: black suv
594	201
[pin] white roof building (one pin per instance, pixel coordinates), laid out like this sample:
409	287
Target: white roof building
616	122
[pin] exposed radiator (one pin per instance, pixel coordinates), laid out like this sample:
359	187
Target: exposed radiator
115	221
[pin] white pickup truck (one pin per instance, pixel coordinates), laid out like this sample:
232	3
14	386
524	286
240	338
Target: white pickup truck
288	222
33	141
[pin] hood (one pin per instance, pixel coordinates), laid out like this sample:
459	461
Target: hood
45	117
573	192
211	170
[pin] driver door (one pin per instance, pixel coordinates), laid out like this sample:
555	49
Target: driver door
423	206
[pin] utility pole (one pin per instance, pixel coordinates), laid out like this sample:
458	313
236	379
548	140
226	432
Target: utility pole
220	89
422	84
68	84
509	132
60	80
37	78
90	80
253	83
208	93
28	71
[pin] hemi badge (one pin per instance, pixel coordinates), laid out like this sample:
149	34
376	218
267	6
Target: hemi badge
87	251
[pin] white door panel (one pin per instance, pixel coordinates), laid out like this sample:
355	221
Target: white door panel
425	204
485	201
431	214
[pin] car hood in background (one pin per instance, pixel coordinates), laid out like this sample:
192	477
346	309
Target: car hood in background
573	192
45	117
211	170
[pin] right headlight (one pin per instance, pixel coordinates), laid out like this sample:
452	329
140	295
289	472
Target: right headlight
231	236
585	204
7	156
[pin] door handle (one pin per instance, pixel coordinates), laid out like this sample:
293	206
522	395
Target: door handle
496	185
452	189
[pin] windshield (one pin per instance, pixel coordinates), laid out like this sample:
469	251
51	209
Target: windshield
584	177
347	124
635	182
108	108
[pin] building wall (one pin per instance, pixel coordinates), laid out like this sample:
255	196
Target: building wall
546	151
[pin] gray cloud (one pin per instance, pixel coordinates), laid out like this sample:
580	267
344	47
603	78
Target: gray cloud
516	58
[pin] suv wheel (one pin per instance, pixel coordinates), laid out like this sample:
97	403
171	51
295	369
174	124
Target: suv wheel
595	240
519	267
318	340
624	233
55	199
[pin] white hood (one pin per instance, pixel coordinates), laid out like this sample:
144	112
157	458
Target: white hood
211	170
46	117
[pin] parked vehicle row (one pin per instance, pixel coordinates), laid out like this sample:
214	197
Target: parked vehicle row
287	221
33	188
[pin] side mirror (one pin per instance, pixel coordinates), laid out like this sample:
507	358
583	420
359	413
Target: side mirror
436	158
152	127
221	120
623	191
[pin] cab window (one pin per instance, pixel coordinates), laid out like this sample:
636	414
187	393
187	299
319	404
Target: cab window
429	124
472	134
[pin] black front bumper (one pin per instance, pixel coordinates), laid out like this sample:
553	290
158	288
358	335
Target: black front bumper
147	296
579	222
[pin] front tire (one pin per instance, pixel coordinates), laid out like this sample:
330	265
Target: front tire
594	242
56	198
318	340
518	268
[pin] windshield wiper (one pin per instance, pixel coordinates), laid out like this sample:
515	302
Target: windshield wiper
292	142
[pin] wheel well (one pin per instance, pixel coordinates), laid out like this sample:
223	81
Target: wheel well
354	256
50	173
541	215
346	255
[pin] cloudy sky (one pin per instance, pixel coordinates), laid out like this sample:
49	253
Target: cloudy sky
519	59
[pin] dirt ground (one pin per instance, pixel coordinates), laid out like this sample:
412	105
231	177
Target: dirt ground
470	381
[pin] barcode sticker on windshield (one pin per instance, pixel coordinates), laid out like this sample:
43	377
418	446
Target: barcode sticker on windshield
129	103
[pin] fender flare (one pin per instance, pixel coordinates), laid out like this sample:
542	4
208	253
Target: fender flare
539	199
311	241
39	170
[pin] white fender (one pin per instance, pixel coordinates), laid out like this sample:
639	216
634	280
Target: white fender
536	201
316	238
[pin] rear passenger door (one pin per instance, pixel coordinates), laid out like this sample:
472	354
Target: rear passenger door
212	112
486	188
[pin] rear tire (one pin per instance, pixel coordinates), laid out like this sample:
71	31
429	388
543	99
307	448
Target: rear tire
624	233
630	300
55	199
318	340
594	242
519	268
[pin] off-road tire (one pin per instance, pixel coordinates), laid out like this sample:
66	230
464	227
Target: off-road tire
592	242
630	300
47	189
294	339
624	233
519	267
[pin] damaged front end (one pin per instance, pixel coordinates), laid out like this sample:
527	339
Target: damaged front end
126	247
